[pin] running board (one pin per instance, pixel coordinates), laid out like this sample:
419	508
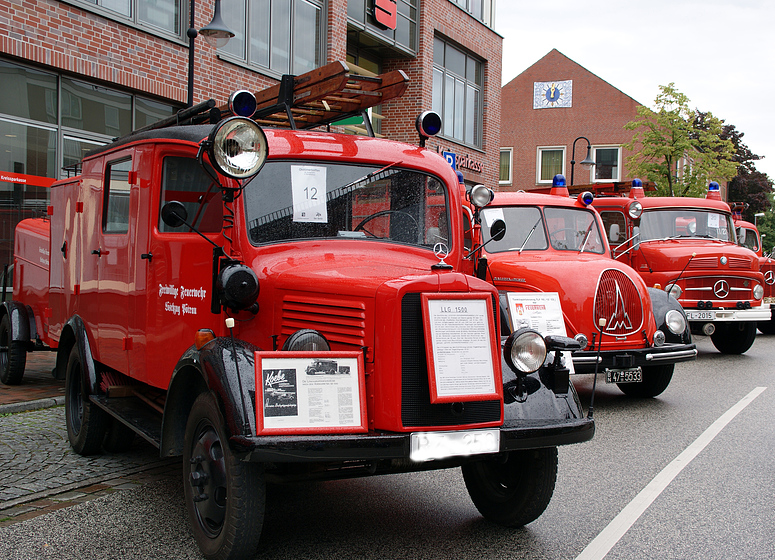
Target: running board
134	414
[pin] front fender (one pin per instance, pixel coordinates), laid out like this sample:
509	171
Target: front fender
22	321
661	303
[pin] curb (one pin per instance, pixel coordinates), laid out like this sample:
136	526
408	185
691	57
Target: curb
31	405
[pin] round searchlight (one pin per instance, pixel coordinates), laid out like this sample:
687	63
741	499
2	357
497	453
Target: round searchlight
238	147
524	351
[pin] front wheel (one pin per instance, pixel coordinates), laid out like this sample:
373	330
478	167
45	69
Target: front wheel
224	496
13	356
85	420
513	490
734	338
655	381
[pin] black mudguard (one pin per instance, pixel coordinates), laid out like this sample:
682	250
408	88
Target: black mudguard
661	303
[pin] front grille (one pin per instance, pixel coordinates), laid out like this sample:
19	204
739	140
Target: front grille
739	262
339	320
718	288
416	407
618	301
703	262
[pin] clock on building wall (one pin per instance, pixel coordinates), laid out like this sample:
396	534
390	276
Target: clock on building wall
558	93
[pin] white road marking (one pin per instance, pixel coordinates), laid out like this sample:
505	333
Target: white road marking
607	539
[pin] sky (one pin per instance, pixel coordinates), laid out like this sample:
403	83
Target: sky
719	53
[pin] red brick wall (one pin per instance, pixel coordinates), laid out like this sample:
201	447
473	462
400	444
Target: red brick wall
599	113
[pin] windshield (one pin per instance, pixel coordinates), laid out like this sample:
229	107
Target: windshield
291	200
686	222
530	228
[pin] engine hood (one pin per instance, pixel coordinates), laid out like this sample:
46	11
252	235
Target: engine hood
674	255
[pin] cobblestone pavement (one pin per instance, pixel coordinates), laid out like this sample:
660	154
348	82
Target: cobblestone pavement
40	473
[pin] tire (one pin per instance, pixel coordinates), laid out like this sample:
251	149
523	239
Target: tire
655	381
515	491
86	422
118	437
767	327
734	338
224	496
13	356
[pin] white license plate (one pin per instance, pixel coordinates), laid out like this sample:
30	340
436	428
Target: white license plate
629	375
701	315
428	446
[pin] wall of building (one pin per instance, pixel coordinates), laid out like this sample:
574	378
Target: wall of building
599	112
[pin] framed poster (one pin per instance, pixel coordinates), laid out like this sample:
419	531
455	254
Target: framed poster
461	348
310	392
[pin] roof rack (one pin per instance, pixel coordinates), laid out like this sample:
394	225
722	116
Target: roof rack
615	188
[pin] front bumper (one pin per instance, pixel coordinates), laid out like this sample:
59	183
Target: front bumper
584	360
761	313
372	446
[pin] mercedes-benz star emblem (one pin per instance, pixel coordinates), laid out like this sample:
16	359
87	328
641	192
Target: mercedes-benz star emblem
769	278
721	289
441	251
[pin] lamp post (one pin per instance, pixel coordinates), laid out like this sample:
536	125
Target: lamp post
216	33
756	217
586	162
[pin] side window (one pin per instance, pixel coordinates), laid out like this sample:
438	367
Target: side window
115	210
184	180
468	232
615	227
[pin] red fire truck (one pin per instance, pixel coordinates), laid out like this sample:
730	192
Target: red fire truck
687	246
555	244
748	236
189	275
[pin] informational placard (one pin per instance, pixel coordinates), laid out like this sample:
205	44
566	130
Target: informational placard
461	348
308	187
310	392
540	311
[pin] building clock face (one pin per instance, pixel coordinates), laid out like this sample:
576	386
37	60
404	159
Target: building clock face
558	93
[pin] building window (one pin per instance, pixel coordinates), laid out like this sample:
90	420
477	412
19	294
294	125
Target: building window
282	36
551	161
607	164
505	166
161	14
480	9
457	93
360	16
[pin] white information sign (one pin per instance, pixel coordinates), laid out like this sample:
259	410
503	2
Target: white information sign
309	393
540	311
713	220
308	187
461	367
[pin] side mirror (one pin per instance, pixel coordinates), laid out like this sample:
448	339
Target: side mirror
741	235
498	230
613	234
174	214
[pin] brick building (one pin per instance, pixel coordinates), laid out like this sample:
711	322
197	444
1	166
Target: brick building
548	107
77	73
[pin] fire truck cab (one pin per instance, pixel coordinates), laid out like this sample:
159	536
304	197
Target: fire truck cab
688	247
189	275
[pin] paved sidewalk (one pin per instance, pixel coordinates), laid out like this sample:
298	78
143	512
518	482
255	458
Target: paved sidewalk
38	388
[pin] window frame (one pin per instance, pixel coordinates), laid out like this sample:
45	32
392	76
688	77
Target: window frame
539	160
618	175
134	21
108	197
510	177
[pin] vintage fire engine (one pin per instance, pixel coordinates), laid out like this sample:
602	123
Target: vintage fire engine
189	275
687	246
748	236
555	245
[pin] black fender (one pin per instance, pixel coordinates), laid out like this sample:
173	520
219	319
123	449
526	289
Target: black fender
212	368
661	303
74	333
22	321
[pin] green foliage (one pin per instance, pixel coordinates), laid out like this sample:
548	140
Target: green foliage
678	157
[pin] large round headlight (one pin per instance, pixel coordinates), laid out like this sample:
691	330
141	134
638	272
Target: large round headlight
675	321
758	291
524	351
635	210
238	147
674	290
481	196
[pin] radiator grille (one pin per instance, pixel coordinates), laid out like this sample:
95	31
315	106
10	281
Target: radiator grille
339	320
416	407
739	262
618	302
703	262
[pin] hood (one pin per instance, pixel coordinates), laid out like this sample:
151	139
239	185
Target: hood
718	256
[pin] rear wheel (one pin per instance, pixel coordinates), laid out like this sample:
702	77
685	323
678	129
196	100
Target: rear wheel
655	381
733	338
515	490
767	327
85	420
13	356
224	496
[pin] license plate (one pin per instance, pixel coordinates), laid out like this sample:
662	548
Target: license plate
630	375
701	315
428	446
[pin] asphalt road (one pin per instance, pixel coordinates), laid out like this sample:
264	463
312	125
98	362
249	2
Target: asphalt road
686	475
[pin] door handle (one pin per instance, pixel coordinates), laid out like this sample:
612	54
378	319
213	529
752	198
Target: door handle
148	256
97	252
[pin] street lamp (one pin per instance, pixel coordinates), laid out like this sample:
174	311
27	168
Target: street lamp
587	162
216	33
756	217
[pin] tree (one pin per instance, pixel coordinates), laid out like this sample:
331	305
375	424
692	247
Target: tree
754	188
678	157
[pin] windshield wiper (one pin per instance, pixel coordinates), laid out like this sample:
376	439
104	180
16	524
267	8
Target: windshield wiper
529	234
586	237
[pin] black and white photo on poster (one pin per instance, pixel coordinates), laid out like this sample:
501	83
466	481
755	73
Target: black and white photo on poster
281	396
